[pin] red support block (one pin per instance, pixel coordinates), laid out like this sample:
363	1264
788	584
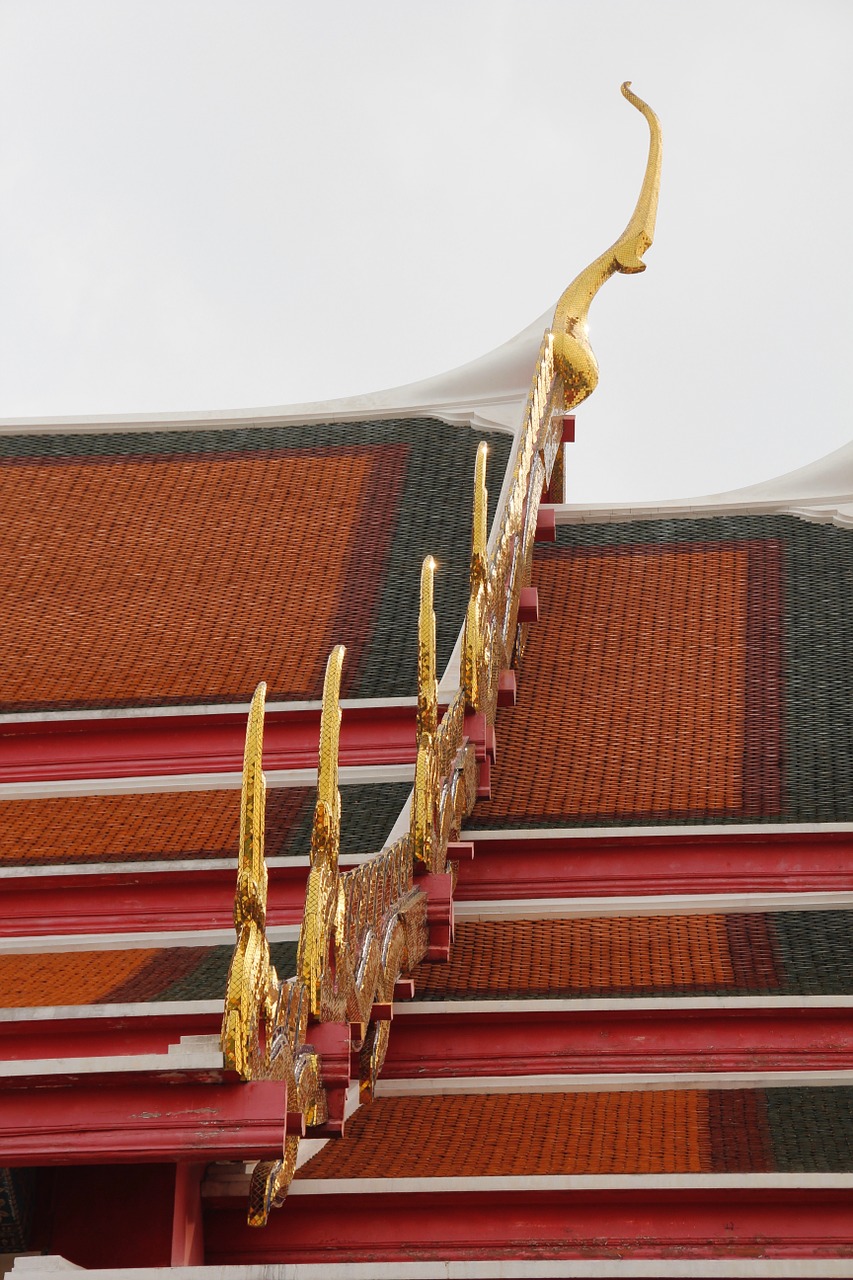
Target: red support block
484	781
460	851
439	890
507	688
567	435
333	1042
546	525
528	605
475	729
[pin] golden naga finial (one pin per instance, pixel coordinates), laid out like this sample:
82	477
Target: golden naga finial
252	981
472	635
575	360
479	533
251	899
324	895
423	797
427	684
327	815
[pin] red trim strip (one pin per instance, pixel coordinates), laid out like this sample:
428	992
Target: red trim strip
555	1224
34	751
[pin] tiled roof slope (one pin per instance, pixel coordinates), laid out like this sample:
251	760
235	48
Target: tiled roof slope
64	830
684	671
123	976
168	568
778	953
533	1134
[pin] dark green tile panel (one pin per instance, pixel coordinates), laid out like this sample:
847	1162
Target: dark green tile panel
368	812
811	1129
208	980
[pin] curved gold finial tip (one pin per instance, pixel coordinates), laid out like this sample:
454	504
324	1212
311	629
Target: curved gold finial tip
572	353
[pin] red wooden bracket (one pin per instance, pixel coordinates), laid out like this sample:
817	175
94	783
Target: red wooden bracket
481	735
484	781
567	434
439	890
404	989
507	688
546	525
460	851
528	605
333	1042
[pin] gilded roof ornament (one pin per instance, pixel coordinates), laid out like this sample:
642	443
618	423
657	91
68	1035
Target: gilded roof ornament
574	356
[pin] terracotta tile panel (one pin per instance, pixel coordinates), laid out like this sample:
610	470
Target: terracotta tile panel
67	977
550	957
180	825
524	1134
633	689
154	579
170	567
68	829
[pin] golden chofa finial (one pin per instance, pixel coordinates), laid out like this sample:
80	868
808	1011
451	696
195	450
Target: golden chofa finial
572	352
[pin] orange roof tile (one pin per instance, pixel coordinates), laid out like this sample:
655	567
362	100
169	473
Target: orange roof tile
161	579
630	954
633	689
521	1134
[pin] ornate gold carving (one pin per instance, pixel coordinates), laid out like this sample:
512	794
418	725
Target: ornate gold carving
361	930
443	791
577	364
490	640
321	939
252	990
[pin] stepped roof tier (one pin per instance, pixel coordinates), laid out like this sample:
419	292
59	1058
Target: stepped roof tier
407	872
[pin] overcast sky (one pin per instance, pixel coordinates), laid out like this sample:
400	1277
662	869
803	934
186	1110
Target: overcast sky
210	205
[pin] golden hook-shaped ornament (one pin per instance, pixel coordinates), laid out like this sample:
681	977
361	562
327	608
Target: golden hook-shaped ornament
576	362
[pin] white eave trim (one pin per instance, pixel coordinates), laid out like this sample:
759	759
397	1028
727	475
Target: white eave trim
443	1008
611	1082
43	944
669	904
46	1268
572	1182
348	776
707	830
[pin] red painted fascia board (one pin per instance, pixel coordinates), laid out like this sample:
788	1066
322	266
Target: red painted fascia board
203	897
688	1223
130	902
545	866
142	1121
50	750
506	1043
101	1037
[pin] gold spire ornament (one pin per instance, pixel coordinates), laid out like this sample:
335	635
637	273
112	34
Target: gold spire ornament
574	357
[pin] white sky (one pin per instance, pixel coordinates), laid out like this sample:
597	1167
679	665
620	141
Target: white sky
210	205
